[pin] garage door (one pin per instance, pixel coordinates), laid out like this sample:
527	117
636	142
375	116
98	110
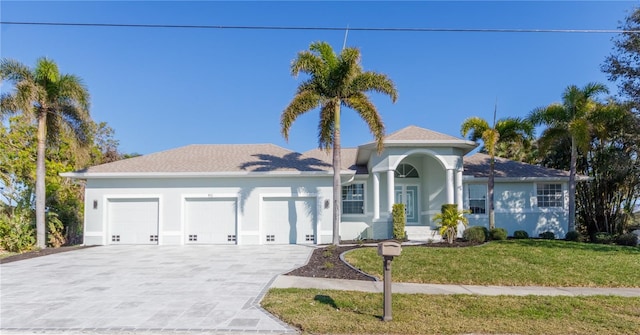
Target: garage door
288	220
210	221
133	221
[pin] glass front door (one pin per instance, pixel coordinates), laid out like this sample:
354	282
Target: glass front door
408	195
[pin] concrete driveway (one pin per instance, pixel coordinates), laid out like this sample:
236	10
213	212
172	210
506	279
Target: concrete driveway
146	288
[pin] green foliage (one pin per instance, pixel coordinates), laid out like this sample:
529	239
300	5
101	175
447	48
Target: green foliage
56	236
448	219
520	234
16	231
399	219
547	235
628	239
475	234
573	236
498	234
603	238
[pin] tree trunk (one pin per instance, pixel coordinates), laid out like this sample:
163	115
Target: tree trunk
492	219
337	190
40	182
572	186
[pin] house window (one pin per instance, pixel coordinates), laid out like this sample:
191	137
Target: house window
477	195
550	195
353	199
406	171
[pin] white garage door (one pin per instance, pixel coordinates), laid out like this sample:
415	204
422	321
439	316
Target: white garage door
133	221
288	220
210	221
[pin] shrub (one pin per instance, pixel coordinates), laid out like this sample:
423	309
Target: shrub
55	229
475	234
548	235
629	239
399	219
498	234
573	236
520	235
448	220
603	238
16	232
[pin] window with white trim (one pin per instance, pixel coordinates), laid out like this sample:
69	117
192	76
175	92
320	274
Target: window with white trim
549	195
477	196
353	199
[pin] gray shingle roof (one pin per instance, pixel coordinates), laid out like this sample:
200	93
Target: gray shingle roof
216	158
415	133
478	164
347	158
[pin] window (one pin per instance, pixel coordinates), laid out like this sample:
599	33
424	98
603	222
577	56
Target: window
550	195
353	199
406	171
477	195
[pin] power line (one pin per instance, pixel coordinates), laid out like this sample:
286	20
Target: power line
454	30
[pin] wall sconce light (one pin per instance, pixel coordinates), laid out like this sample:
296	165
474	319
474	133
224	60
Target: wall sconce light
95	204
326	204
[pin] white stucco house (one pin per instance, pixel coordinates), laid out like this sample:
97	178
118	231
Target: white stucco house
262	193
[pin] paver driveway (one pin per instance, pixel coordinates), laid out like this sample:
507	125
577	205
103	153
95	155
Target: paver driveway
153	288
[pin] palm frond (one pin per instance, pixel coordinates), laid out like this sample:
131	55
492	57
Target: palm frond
514	129
377	82
307	62
326	125
325	52
301	103
474	126
72	89
551	136
581	133
368	112
14	71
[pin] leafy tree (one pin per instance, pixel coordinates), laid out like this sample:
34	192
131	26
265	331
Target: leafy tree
571	117
448	219
58	103
335	81
509	132
623	65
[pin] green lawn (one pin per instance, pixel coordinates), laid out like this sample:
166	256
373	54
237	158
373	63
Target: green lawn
511	263
341	312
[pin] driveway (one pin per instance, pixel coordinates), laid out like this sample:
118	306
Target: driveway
146	288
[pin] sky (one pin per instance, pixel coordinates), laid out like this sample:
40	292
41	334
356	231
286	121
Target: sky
162	88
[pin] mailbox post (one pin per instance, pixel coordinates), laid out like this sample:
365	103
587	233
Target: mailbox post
388	250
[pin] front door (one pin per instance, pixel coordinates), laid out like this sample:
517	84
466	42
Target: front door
408	195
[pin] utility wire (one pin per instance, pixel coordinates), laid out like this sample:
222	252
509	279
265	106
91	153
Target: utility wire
455	30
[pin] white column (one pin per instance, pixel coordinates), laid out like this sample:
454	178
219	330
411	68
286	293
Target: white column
459	189
390	190
376	195
450	186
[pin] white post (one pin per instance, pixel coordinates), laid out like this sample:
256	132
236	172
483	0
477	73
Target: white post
459	189
450	186
390	190
376	195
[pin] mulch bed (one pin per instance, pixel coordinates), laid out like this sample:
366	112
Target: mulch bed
326	263
38	253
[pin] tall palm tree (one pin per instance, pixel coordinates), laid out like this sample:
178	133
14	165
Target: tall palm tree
57	103
335	81
571	117
509	131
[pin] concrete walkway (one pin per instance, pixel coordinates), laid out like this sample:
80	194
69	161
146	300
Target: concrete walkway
410	288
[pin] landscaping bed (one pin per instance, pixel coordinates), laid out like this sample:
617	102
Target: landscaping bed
38	253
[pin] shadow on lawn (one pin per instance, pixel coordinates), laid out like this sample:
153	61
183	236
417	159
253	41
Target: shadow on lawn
561	244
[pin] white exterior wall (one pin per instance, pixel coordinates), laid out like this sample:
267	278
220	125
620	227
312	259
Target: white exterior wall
172	192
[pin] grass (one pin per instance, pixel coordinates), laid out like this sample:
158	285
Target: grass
511	263
340	312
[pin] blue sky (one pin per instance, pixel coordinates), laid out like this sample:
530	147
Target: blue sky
164	88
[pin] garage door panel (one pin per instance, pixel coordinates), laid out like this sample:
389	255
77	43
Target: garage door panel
210	221
133	221
288	220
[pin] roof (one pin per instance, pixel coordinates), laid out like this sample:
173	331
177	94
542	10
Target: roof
208	158
478	166
415	133
347	159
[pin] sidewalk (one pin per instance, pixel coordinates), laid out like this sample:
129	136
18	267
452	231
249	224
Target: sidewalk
411	288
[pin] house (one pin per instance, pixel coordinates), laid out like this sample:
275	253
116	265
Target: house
261	194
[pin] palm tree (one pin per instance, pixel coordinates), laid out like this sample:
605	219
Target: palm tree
508	131
335	81
570	118
57	102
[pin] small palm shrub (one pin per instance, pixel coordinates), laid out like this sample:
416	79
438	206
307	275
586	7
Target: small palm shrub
475	234
498	234
573	236
629	239
520	235
399	219
548	235
603	238
56	236
448	219
16	232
